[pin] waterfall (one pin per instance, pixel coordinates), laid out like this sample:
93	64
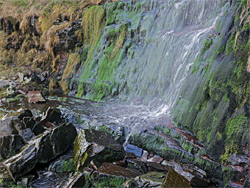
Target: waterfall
175	31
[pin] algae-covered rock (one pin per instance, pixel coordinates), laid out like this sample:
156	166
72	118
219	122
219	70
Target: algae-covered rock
151	179
97	146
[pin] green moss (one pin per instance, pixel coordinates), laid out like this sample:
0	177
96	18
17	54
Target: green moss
105	181
235	126
206	45
230	149
111	13
105	129
106	67
230	45
68	166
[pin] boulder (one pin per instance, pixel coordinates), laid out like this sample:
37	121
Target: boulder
41	149
97	146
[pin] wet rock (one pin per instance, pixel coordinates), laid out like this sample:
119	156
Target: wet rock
35	97
237	159
133	149
27	134
138	165
174	147
29	122
179	177
144	156
151	179
62	166
38	129
110	175
10	140
26	113
152	166
115	170
41	149
174	179
97	146
155	159
77	180
53	115
161	144
10	145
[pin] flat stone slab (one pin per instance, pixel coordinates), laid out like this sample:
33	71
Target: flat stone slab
35	97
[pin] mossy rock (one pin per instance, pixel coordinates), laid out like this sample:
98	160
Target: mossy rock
97	146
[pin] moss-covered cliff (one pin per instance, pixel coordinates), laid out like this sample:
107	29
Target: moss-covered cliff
215	100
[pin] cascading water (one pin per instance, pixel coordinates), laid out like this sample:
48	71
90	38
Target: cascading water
174	32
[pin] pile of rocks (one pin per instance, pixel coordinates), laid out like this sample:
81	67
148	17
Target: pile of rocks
26	142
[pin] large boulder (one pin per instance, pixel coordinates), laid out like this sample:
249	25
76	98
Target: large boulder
41	149
97	146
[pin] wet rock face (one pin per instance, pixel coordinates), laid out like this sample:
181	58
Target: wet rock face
97	146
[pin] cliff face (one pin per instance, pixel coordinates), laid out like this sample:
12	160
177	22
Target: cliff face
192	55
214	101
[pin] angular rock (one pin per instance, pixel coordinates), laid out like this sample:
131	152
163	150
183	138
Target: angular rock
151	179
35	97
9	145
174	147
179	177
111	175
26	113
97	146
134	149
41	149
53	115
115	170
174	179
10	140
77	180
